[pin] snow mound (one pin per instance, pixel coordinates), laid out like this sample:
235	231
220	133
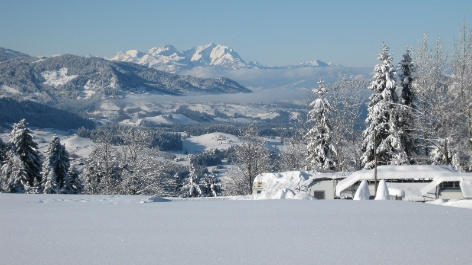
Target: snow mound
362	192
155	199
382	191
437	202
291	180
287	194
409	191
396	192
452	203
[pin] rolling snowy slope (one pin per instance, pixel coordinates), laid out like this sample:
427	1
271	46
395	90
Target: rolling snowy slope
84	229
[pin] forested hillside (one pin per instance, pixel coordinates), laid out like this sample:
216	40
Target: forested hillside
39	115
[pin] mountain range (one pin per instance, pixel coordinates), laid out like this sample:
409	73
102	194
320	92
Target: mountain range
215	60
47	79
169	59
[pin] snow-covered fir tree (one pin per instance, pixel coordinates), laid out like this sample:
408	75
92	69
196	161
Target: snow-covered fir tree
72	182
321	151
210	185
55	167
190	187
177	184
382	120
409	137
14	177
24	158
3	151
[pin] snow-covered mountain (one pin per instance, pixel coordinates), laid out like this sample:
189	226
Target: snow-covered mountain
168	58
75	77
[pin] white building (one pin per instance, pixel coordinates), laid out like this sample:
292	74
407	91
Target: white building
414	182
458	186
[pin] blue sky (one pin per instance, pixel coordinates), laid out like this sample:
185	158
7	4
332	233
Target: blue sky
272	32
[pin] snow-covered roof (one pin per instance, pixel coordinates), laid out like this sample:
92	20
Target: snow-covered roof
464	179
396	172
293	180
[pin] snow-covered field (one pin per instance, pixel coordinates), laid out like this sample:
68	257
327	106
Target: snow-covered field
198	144
85	229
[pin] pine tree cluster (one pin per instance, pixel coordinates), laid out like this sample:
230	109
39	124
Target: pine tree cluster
23	172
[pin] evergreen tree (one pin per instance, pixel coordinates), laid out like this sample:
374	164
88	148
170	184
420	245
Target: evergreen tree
3	151
25	148
382	118
14	177
56	167
409	138
210	185
72	182
178	184
191	187
321	152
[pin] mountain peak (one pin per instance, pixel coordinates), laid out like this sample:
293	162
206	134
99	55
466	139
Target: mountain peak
315	63
168	58
166	50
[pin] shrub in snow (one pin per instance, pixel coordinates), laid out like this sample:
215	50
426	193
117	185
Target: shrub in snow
382	191
286	194
362	192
